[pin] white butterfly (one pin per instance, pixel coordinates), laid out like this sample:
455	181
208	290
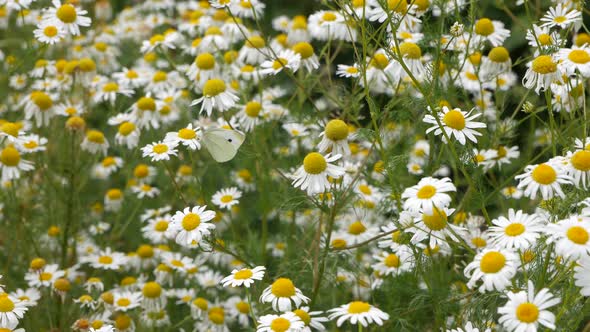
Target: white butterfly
223	144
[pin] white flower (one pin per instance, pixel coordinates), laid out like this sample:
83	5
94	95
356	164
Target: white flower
285	59
49	33
575	59
582	275
190	225
547	178
187	136
12	164
358	312
455	123
428	194
160	150
67	17
571	237
518	231
217	96
244	277
542	72
494	267
287	322
282	294
525	310
561	16
227	197
312	176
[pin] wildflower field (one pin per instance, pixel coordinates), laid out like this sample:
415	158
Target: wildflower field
294	166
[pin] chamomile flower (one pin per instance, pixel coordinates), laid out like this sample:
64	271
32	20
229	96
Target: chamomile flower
49	33
245	277
45	277
526	310
160	150
12	164
358	312
455	123
95	142
494	267
227	197
251	114
67	17
542	72
106	260
187	136
11	311
468	328
285	59
571	237
578	167
216	95
125	300
492	31
389	263
348	71
435	227
287	322
190	225
546	178
576	59
335	138
582	275
312	176
561	16
517	231
282	294
428	194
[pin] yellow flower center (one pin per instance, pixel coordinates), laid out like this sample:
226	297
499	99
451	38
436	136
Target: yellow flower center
186	133
62	284
560	19
161	226
37	263
226	198
279	63
426	192
191	221
577	235
280	324
314	163
11	129
105	260
67	13
255	42
10	156
201	303
499	54
214	87
338	243
6	304
454	119
110	87
145	251
160	148
365	189
527	312
131	74
545	39
484	27
126	128
283	287
243	307
253	108
579	56
123	322
336	130
581	160
399	6
146	104
478	242
379	61
492	262
544	174
392	261
159	76
358	307
152	290
123	302
114	194
436	221
304	49
205	61
514	229
356	228
243	274
42	100
50	31
410	50
352	70
156	39
544	64
45	276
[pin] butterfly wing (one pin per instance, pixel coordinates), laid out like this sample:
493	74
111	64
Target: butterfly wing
223	144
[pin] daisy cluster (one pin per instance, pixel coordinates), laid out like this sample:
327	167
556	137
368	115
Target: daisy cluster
272	166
